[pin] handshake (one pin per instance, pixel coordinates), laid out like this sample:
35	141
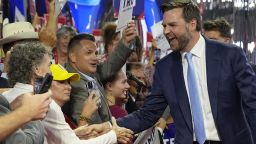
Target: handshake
123	135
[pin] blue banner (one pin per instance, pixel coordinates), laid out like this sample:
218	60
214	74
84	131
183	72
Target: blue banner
85	14
41	7
152	13
17	11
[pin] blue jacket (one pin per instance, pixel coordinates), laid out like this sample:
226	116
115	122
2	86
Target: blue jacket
232	92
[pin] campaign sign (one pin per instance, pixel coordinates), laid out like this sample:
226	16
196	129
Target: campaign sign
125	13
161	41
169	134
149	136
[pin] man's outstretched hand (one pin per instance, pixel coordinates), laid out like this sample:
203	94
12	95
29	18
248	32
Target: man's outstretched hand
123	135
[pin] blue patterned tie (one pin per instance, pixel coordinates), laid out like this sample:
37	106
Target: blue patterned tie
197	113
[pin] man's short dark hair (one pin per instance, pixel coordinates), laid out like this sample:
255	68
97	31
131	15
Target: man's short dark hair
190	10
75	41
221	25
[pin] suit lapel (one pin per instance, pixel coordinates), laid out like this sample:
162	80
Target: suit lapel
180	88
213	64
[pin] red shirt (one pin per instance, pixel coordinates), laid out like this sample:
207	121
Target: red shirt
70	123
117	111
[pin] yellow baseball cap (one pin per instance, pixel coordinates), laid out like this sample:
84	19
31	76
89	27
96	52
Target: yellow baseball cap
59	73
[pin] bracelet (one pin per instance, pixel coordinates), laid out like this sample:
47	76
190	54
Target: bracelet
84	118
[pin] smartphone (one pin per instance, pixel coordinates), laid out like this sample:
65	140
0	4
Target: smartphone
91	86
43	84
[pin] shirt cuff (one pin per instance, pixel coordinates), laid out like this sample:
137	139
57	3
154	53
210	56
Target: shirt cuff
113	136
160	130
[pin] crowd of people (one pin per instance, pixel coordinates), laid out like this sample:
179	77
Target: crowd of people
205	85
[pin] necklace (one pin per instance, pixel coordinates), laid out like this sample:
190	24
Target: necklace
110	102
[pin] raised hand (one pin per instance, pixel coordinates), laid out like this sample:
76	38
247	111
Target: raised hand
47	34
129	33
47	37
35	21
52	21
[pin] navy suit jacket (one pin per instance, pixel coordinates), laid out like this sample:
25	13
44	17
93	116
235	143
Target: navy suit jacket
232	93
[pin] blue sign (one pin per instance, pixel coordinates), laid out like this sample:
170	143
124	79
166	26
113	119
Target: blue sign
85	14
169	134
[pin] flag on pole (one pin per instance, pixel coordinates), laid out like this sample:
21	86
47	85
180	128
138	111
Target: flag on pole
41	7
59	4
17	10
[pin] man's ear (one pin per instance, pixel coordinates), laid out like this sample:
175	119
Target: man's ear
72	57
193	24
228	40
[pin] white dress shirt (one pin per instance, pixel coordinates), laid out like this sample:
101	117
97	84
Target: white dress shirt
17	90
57	131
199	61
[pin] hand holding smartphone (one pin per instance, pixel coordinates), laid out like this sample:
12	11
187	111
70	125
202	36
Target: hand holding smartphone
43	84
92	89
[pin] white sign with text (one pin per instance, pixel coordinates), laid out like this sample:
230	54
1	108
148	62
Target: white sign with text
158	35
125	13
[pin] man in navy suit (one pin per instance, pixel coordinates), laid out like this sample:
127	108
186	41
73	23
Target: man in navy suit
224	85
